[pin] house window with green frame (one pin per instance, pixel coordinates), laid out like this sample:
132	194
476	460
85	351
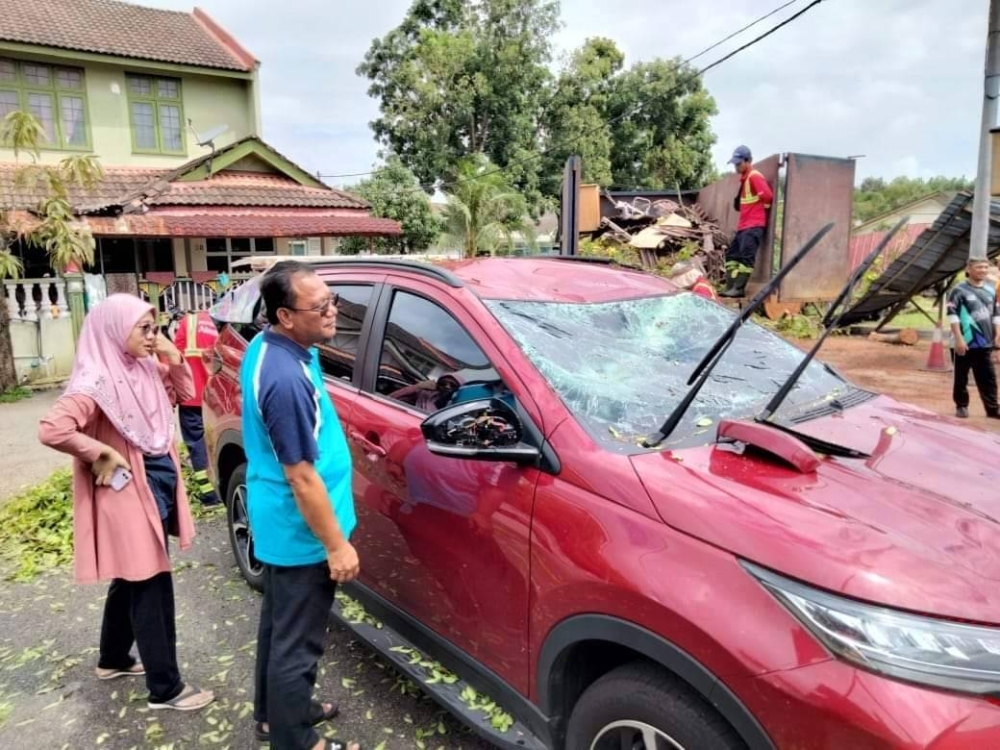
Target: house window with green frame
156	114
56	95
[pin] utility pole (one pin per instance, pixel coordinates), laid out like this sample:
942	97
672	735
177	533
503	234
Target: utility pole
991	90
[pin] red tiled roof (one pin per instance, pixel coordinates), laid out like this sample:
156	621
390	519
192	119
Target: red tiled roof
118	182
252	189
125	30
290	222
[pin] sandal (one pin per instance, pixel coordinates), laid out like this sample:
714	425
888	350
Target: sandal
188	699
136	670
317	715
336	745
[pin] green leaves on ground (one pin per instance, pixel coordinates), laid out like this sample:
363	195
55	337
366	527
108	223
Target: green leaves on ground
14	394
36	527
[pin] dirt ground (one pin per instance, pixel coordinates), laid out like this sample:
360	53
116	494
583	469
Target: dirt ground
896	371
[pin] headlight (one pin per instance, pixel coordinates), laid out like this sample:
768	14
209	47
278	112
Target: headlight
939	653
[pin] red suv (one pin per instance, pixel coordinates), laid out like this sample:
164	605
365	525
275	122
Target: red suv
826	578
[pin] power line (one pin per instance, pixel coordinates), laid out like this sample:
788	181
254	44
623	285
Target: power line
628	113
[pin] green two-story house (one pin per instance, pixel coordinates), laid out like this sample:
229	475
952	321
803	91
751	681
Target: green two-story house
171	104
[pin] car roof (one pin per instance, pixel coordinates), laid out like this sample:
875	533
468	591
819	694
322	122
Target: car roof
529	279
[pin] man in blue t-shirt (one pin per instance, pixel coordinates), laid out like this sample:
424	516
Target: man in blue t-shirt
974	317
299	501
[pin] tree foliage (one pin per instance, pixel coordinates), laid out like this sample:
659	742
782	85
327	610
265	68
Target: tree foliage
55	228
876	196
460	78
642	127
484	213
457	79
394	193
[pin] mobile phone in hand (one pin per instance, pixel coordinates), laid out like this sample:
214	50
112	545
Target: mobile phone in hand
120	478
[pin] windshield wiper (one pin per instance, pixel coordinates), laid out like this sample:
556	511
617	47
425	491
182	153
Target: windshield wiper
704	369
831	321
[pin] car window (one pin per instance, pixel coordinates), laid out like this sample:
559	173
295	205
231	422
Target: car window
428	360
337	356
623	366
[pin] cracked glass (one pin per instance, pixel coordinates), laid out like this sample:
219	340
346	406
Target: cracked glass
621	367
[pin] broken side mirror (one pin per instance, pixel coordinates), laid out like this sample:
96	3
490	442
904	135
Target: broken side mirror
484	430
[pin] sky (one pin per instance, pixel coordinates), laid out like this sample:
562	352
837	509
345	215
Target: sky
897	82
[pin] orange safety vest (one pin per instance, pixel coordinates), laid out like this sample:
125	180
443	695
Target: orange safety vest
747	196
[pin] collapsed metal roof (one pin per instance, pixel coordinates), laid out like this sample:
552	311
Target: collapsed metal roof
934	257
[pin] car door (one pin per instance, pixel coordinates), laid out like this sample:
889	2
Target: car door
444	539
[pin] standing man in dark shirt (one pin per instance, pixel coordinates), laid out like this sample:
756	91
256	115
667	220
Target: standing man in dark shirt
301	505
975	325
753	201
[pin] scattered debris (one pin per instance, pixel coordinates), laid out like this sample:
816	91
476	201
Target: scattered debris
664	232
905	336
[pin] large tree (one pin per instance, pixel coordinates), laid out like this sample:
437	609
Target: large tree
457	78
54	228
394	193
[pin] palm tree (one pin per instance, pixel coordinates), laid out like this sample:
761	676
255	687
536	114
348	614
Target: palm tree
483	212
56	230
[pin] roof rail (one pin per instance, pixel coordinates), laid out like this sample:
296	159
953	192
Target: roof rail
262	263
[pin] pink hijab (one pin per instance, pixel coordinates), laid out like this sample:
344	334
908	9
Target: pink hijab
128	390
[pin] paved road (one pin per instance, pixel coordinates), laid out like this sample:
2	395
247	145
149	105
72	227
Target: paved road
23	460
48	634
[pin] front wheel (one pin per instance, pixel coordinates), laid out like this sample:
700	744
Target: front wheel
642	707
240	535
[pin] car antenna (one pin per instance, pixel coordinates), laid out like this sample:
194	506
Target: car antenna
714	354
830	323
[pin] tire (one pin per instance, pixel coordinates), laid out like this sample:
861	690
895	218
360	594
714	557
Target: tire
642	707
240	536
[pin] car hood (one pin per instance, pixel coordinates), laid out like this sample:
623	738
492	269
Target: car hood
916	526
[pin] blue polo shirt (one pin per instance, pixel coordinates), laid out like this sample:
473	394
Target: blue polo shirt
288	418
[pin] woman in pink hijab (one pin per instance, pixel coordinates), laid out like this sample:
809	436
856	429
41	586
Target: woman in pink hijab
117	416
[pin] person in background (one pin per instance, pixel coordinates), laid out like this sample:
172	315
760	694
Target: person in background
753	202
300	503
688	275
975	325
116	416
195	337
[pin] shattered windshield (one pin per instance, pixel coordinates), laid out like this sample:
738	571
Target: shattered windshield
623	366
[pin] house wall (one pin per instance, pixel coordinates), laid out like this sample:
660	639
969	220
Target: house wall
207	100
925	212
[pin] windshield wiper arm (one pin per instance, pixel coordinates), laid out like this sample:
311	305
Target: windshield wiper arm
704	369
831	321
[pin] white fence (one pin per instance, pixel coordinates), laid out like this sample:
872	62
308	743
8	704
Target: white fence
41	328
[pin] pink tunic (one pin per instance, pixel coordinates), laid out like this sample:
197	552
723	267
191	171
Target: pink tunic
116	534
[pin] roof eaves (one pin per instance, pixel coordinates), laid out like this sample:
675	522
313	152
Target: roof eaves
242	55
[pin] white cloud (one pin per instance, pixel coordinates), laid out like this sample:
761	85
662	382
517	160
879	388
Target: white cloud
897	80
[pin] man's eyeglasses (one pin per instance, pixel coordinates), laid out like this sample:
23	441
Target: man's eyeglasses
149	329
331	302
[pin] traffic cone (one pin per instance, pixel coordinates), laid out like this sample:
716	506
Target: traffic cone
936	361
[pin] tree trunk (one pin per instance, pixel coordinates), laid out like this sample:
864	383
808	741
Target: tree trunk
8	376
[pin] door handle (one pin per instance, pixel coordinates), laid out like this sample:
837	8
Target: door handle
368	445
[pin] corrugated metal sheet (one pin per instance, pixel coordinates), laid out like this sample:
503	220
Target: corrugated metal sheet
862	245
937	254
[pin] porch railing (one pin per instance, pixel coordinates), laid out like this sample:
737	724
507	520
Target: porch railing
35	299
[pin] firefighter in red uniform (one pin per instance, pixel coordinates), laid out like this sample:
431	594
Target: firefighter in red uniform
688	275
195	337
753	203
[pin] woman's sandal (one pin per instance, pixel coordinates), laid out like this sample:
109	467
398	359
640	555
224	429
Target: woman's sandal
337	745
317	715
189	699
136	670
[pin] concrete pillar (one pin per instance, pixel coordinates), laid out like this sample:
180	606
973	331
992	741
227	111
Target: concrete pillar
74	291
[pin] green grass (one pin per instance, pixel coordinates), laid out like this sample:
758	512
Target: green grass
911	318
15	394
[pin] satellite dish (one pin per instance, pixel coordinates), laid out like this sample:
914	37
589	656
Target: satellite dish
206	139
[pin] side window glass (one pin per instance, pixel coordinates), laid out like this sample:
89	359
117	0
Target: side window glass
428	360
337	356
